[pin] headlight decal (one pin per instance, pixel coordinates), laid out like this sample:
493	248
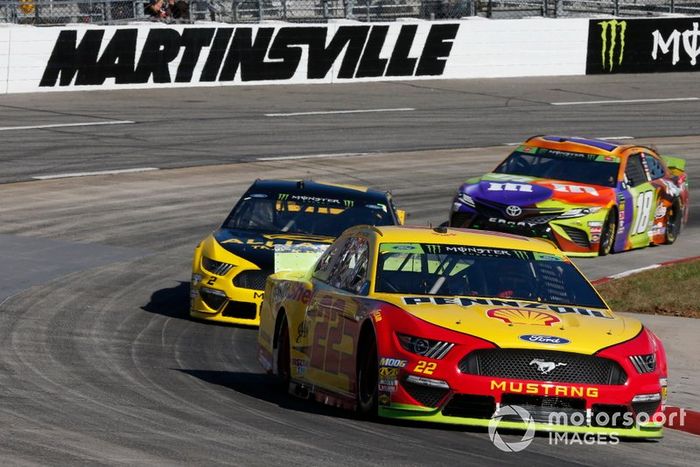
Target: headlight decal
216	267
644	363
578	212
465	199
425	347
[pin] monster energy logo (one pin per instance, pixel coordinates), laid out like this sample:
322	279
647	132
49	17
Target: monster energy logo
520	254
433	249
609	49
348	203
283	196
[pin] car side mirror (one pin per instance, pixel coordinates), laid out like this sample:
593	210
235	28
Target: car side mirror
363	288
401	216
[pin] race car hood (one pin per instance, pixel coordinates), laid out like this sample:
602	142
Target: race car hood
527	191
259	247
520	324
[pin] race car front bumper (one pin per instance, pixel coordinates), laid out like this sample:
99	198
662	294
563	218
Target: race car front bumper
577	237
471	383
422	414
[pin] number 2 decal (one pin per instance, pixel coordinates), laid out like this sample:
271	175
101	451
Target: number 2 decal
424	367
643	208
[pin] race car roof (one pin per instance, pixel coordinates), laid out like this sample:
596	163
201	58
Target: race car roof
321	189
585	145
454	236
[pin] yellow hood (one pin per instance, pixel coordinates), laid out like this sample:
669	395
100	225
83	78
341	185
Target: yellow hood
522	324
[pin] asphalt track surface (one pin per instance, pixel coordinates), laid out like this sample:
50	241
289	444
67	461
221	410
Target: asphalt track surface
99	363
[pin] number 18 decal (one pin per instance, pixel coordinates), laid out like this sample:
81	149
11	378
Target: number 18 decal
643	208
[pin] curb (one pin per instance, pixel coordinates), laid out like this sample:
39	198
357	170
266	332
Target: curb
682	420
630	272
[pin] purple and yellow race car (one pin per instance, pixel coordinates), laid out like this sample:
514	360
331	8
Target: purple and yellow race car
591	197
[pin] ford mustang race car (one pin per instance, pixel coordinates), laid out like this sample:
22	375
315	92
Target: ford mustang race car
230	265
450	325
591	197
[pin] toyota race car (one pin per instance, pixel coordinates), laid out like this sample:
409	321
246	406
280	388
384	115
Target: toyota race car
230	265
591	197
449	325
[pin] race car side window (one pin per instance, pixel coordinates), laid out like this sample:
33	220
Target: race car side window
656	169
350	273
326	264
635	173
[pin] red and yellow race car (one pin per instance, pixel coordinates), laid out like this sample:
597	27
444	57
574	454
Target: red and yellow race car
590	196
451	325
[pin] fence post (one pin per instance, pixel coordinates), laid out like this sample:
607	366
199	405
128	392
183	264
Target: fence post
284	9
106	13
617	8
673	6
349	8
260	10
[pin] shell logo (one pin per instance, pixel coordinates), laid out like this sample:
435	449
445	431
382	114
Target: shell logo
520	316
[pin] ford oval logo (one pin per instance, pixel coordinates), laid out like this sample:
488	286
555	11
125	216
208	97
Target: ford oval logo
542	339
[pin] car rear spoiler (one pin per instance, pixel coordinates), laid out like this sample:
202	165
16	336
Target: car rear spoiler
674	163
298	257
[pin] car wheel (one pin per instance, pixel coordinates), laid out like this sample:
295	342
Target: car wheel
459	219
283	354
607	236
367	380
673	223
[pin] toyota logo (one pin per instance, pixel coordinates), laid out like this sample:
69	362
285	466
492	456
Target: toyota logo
513	211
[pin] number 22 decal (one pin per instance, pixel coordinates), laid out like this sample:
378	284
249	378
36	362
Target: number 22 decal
424	367
643	208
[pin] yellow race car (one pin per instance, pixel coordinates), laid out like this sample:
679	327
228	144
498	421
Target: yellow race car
231	264
454	325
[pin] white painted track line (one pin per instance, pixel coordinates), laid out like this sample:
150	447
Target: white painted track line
313	156
65	125
628	101
331	112
88	174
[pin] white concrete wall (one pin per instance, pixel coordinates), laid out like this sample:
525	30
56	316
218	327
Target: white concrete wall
480	49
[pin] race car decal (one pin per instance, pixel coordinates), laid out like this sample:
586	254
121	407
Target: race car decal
520	316
546	389
542	339
467	301
392	362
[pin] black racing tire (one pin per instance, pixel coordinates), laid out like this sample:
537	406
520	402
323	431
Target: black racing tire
459	219
283	355
608	234
368	379
674	217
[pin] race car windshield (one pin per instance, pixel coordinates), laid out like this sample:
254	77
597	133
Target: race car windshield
458	270
305	214
558	165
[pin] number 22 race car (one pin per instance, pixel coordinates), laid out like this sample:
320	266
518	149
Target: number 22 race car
450	325
592	197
